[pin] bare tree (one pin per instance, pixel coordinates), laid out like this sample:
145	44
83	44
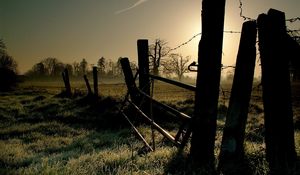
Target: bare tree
2	47
176	64
157	51
118	68
8	69
38	70
101	65
8	62
76	68
83	66
58	69
50	64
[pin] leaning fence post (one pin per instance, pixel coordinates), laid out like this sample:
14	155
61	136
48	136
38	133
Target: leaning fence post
65	75
279	129
129	79
87	85
232	149
208	80
95	77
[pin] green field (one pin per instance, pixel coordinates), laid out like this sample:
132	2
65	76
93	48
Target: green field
43	133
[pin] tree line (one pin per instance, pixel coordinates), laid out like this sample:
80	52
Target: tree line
160	60
161	63
53	67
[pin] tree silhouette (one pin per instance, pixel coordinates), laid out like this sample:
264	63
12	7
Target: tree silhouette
76	68
50	65
8	69
2	47
177	65
83	66
118	67
38	70
8	62
101	65
157	51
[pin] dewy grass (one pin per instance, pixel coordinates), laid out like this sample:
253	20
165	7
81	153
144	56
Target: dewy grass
14	153
36	138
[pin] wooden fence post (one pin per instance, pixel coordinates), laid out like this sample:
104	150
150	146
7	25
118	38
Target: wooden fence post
65	75
279	129
95	77
129	79
208	81
143	61
232	149
87	85
144	80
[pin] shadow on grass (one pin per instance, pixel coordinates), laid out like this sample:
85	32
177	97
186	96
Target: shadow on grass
181	164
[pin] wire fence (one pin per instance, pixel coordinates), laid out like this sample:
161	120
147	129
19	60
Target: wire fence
256	96
291	20
294	33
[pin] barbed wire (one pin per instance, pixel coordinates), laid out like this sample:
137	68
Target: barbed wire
193	37
228	31
184	43
232	32
291	20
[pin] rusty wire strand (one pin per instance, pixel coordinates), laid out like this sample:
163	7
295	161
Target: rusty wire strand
193	37
291	20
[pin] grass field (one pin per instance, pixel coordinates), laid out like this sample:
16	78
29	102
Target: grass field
43	133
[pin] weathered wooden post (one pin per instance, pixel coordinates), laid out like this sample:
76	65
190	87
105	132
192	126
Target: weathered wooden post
208	81
143	59
65	75
232	150
279	129
87	85
144	79
95	77
129	79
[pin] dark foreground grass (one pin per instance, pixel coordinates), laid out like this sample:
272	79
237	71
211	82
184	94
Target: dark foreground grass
43	133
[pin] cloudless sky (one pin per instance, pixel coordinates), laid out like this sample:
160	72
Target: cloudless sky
71	30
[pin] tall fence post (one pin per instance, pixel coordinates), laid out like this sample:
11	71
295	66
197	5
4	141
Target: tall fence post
144	80
208	81
232	149
143	61
65	75
129	79
95	77
279	129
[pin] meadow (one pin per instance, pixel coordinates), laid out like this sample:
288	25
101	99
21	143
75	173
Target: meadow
42	132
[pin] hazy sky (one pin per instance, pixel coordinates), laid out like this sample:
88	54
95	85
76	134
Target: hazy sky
74	29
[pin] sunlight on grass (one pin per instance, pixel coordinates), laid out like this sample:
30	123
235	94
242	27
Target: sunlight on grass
41	133
14	153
